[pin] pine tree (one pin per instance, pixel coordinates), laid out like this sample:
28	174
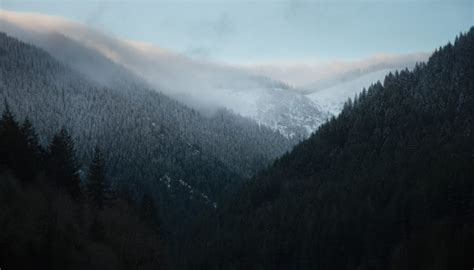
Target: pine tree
62	164
12	144
31	137
33	154
9	131
98	187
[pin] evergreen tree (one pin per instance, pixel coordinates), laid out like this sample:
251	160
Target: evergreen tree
62	164
33	155
9	137
98	187
13	145
31	137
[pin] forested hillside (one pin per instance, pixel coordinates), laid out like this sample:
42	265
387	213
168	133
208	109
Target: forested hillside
50	219
388	184
153	145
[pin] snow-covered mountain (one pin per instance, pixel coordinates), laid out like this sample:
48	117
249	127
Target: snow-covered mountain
293	114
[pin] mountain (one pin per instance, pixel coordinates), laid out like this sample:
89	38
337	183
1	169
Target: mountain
387	184
203	85
153	144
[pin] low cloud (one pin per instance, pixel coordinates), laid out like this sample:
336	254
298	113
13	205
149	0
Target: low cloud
200	83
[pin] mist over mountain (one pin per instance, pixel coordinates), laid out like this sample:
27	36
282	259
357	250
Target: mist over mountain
269	95
203	85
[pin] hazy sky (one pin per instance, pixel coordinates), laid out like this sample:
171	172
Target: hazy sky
269	31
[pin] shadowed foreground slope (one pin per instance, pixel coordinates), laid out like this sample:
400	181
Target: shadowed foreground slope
388	184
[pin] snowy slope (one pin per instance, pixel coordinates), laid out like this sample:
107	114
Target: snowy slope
293	114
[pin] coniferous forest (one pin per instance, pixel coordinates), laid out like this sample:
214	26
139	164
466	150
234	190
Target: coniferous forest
117	175
52	220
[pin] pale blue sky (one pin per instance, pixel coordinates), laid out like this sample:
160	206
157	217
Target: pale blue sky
268	31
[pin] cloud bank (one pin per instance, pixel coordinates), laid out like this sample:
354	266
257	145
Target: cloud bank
200	83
